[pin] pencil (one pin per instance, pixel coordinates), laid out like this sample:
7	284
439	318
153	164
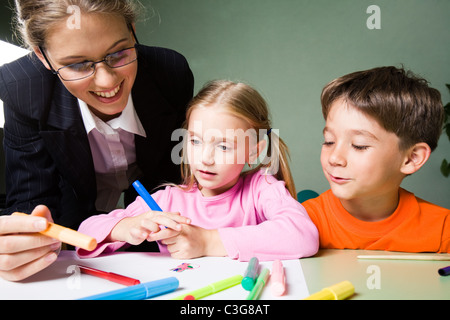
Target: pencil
406	257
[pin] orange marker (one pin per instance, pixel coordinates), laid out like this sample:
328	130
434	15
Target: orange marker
66	235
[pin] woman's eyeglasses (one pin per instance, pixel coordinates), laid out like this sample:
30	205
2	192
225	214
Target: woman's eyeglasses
78	71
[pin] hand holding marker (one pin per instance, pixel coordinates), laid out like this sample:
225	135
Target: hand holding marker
66	235
146	196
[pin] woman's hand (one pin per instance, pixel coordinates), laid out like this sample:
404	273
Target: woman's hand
23	251
147	226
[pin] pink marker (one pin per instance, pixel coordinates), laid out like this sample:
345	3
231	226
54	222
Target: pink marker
278	279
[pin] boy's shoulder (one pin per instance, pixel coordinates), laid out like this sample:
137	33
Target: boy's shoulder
321	200
428	207
328	199
320	207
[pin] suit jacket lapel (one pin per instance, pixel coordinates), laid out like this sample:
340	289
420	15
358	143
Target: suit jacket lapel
66	138
156	117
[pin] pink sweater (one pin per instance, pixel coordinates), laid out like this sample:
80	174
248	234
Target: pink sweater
255	218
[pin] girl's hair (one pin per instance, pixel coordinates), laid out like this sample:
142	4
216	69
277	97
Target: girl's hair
34	18
246	103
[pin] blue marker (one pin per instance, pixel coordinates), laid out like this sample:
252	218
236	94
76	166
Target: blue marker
140	291
444	271
146	196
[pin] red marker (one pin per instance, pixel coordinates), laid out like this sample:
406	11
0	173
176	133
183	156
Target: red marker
114	277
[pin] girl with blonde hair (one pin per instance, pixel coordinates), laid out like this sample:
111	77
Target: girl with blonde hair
221	209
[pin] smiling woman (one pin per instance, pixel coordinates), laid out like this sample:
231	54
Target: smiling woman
100	36
92	107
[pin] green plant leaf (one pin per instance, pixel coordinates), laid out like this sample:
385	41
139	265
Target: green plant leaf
445	168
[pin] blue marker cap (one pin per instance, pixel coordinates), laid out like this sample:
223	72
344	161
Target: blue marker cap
444	271
146	196
140	291
250	274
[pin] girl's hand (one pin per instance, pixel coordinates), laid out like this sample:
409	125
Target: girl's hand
147	226
193	242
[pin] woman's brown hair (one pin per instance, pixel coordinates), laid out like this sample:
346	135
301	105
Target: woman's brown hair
34	18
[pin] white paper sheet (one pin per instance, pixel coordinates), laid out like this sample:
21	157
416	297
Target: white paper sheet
63	281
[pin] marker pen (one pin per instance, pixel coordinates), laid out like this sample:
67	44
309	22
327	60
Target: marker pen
211	288
114	277
251	273
444	271
339	291
140	291
278	278
259	285
66	235
146	196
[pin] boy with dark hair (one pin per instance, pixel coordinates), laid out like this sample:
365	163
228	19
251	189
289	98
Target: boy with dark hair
381	126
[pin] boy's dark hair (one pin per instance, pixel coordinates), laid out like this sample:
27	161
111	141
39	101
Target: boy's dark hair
398	100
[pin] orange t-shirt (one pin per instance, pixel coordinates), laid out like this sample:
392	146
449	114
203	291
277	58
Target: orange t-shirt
415	226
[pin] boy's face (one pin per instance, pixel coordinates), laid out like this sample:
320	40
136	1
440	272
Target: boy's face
359	158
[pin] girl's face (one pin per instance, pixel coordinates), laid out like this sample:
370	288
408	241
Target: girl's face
216	148
106	91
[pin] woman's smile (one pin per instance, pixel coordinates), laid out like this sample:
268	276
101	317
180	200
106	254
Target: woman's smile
109	96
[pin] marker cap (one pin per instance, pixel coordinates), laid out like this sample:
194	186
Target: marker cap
248	283
278	279
250	275
342	290
339	291
278	289
444	271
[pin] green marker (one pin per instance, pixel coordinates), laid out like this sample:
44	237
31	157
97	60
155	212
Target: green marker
211	288
259	285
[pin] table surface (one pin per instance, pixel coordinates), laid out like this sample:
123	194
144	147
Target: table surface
372	279
377	279
63	281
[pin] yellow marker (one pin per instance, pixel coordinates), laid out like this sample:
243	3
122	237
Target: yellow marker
66	235
339	291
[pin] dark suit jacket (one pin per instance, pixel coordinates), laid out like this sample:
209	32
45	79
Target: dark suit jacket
48	158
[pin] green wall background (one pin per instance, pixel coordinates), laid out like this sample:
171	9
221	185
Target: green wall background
289	49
